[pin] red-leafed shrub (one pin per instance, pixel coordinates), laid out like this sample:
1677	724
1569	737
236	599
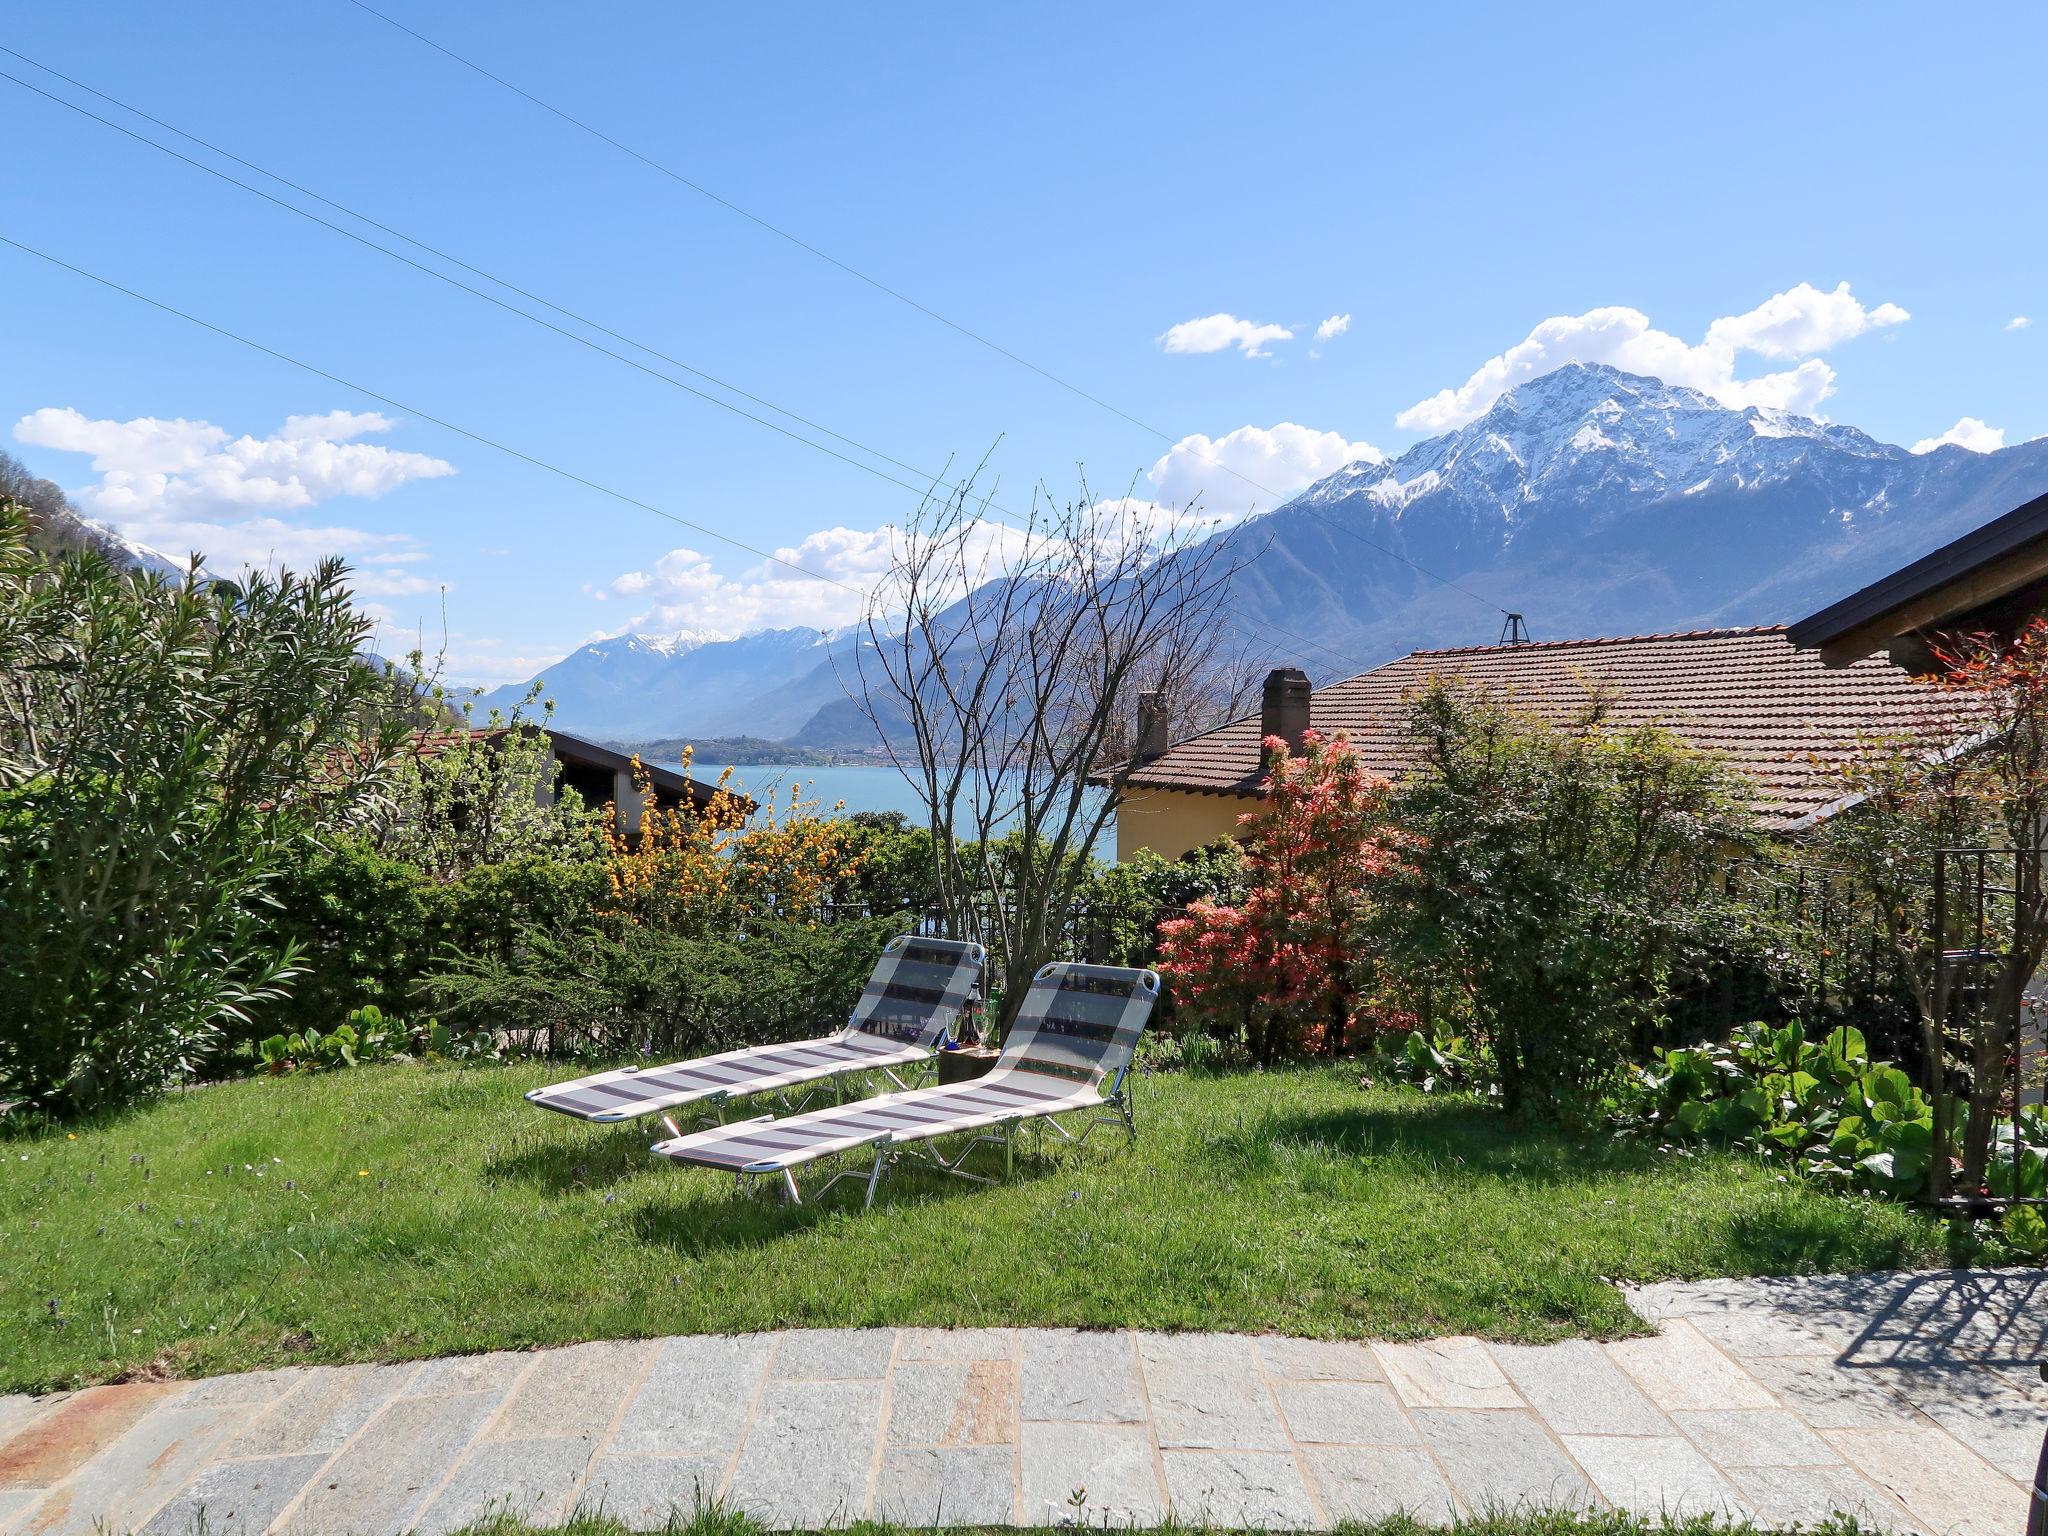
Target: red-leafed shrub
1289	968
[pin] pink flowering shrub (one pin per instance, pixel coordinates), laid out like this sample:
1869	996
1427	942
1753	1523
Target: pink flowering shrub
1289	968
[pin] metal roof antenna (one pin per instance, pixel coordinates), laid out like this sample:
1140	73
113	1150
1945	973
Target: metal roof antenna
1513	631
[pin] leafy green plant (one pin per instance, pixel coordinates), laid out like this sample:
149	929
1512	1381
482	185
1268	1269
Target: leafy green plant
1826	1106
1448	1061
1557	886
167	749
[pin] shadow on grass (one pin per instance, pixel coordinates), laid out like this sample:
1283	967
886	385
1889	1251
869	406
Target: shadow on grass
588	1160
725	1217
1452	1135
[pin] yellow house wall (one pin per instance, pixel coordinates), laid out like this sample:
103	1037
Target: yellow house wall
1171	821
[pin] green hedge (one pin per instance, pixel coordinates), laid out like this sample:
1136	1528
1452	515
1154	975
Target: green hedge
372	928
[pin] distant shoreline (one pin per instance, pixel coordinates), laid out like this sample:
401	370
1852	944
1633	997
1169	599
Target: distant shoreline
751	752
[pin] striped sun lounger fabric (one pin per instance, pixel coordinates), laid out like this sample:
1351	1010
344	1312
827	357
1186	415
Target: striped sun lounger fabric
918	991
1073	1036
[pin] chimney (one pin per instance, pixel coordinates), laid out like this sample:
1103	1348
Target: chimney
1283	711
1152	724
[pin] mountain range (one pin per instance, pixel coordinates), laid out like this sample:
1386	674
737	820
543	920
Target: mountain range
1590	501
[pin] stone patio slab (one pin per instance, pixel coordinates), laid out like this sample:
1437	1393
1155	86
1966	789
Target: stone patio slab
326	1406
1579	1390
1345	1413
1808	1495
1074	1376
1110	1467
45	1448
1654	1475
574	1392
1681	1369
1728	1409
531	1480
1208	1392
835	1354
1757	1437
962	1485
1375	1482
967	1402
123	1485
954	1344
1239	1490
1944	1486
1447	1373
1319	1359
644	1492
1503	1459
695	1398
236	1498
389	1472
807	1455
469	1373
1827	1396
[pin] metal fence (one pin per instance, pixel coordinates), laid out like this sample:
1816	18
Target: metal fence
1989	927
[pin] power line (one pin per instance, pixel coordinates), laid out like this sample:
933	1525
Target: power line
930	480
412	410
512	309
902	298
412	240
450	426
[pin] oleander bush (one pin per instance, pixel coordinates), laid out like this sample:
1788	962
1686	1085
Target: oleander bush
169	748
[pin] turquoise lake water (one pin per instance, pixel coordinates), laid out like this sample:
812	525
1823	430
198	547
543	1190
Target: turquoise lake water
860	788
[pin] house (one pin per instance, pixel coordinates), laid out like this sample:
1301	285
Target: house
1780	716
597	774
1993	579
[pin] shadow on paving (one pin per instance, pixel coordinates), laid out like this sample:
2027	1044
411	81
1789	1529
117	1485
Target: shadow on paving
1955	1317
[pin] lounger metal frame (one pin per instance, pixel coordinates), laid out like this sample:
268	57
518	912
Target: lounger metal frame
887	1150
708	1109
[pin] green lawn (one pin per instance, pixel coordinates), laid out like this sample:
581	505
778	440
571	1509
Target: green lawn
407	1210
724	1522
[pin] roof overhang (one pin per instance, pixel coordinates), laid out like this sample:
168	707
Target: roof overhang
1989	563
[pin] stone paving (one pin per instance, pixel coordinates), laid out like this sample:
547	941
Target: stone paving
1909	1400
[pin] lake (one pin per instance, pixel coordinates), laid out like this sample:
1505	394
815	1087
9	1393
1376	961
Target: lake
860	787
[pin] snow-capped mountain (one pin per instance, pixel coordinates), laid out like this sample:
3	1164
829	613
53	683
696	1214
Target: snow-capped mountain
691	682
1591	501
1598	502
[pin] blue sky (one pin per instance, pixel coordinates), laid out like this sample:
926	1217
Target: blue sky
1073	182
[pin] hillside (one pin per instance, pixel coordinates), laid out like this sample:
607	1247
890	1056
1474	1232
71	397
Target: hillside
1592	501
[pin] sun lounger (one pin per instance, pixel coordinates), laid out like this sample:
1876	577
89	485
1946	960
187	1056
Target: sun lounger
914	999
1069	1050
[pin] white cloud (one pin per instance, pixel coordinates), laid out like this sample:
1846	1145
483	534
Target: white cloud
1333	327
2019	322
686	590
1212	333
1968	433
1788	325
1253	467
179	485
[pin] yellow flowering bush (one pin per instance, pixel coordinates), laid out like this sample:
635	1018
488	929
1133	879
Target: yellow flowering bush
700	869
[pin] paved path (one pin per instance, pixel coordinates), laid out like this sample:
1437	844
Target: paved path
1908	1399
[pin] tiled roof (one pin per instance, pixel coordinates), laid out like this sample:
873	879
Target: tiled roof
1773	713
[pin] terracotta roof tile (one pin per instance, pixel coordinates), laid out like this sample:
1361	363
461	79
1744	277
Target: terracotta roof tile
1774	713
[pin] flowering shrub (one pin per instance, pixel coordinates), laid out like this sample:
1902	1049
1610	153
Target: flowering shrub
1289	966
695	869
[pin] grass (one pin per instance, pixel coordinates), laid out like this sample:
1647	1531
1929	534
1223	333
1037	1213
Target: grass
402	1211
722	1521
